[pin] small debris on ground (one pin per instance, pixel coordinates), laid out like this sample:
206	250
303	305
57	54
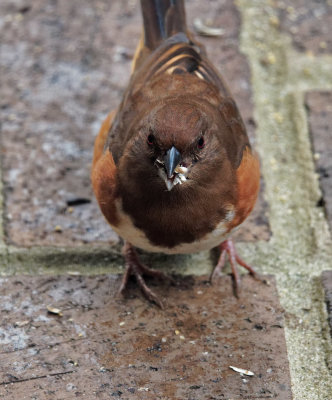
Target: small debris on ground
242	371
54	310
202	29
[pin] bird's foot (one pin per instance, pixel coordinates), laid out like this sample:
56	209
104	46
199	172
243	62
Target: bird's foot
136	268
227	248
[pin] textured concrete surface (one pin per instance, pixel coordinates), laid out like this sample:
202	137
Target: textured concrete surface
300	248
103	347
287	60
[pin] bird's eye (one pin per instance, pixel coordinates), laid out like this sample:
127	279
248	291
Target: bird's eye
201	142
150	139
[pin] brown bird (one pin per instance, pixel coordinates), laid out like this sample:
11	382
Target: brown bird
173	170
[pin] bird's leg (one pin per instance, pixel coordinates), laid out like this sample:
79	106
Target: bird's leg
227	248
136	268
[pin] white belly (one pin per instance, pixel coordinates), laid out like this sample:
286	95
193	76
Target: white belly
137	238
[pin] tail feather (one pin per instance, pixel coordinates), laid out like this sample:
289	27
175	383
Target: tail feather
162	19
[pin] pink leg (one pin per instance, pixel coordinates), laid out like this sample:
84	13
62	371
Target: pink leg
227	248
136	268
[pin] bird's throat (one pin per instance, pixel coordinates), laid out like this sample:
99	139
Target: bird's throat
176	179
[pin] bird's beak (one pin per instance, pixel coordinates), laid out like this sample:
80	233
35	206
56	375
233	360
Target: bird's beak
171	160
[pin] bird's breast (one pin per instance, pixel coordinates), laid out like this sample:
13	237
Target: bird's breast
137	237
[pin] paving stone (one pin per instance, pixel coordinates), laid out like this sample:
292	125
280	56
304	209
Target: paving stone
308	22
319	105
65	66
327	284
104	346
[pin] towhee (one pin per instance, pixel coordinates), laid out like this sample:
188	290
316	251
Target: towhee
173	170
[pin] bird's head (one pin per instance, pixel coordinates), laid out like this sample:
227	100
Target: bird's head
178	145
175	145
175	140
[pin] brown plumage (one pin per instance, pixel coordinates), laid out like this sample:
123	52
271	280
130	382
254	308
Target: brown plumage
173	170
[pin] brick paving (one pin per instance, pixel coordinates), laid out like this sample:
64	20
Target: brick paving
319	106
65	65
104	347
308	24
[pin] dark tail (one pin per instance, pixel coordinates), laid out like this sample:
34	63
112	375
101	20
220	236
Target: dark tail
162	19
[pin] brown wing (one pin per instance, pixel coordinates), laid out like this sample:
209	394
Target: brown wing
102	137
103	174
248	178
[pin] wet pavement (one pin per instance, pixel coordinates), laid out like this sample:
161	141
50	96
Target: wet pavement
66	65
104	346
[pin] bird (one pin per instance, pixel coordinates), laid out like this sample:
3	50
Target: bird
173	170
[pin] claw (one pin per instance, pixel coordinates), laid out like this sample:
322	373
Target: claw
227	248
136	268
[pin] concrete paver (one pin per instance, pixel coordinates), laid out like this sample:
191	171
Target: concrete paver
301	246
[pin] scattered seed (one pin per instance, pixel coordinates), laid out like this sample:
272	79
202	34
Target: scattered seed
204	30
58	229
274	21
309	54
19	324
273	161
290	10
242	371
278	117
73	273
271	58
54	310
121	323
181	170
